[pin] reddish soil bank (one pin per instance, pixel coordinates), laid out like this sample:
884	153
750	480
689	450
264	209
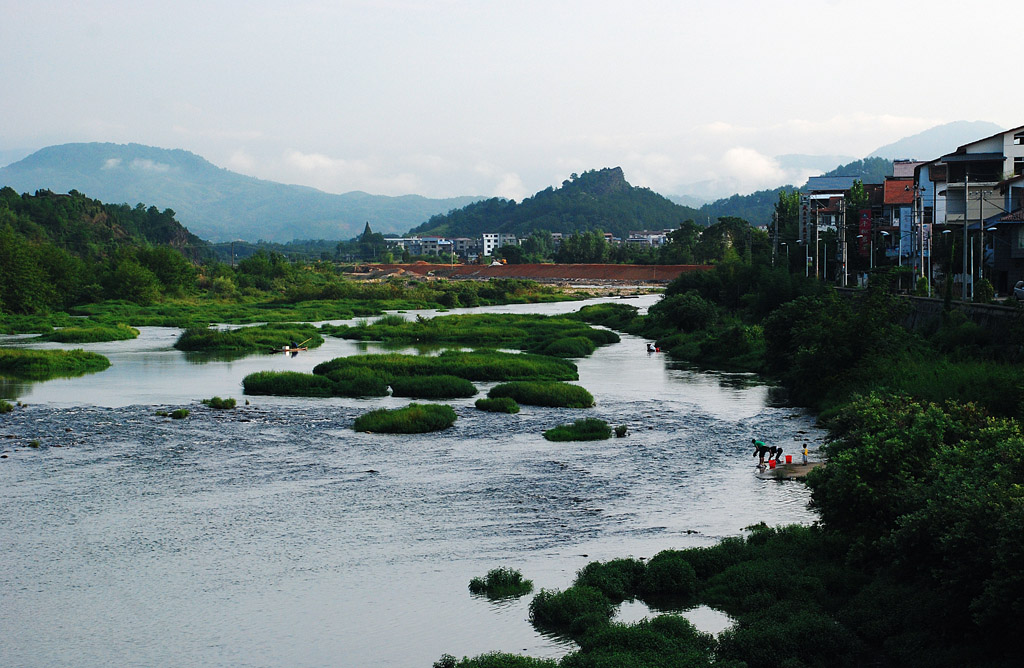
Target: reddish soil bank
631	273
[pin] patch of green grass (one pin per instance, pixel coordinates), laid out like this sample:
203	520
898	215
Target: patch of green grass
36	324
432	387
413	419
45	364
499	405
587	429
94	334
6	406
179	413
220	404
501	583
559	395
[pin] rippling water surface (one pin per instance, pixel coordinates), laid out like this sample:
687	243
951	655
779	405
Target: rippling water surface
274	535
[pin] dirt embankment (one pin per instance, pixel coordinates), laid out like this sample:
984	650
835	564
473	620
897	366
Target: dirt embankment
545	273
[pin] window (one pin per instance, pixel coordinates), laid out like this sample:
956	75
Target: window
1018	139
1018	166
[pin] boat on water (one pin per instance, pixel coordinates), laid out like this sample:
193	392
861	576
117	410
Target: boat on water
288	349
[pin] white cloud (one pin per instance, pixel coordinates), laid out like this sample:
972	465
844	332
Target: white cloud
511	186
147	165
112	163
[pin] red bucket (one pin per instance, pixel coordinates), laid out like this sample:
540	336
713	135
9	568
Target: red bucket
789	459
771	463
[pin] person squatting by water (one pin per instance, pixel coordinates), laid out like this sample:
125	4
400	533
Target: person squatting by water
760	450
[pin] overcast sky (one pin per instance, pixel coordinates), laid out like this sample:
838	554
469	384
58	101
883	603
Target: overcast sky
459	97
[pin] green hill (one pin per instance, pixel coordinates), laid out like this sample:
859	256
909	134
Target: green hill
60	250
217	204
595	200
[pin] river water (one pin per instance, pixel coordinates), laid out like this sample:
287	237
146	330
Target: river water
274	535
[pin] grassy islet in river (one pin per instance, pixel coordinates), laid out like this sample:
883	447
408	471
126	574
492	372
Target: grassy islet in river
432	387
44	364
261	338
543	393
587	429
91	334
501	583
557	336
413	419
498	405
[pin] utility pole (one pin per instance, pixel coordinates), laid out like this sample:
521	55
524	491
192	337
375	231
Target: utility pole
842	242
963	286
775	238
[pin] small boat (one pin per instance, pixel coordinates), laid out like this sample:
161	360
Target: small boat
288	349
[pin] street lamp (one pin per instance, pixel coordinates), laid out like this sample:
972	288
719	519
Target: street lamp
783	243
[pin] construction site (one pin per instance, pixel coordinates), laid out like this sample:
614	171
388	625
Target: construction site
612	278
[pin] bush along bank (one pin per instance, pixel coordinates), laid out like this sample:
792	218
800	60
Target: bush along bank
915	560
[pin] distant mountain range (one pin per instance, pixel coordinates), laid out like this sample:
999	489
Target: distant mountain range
937	141
220	205
214	203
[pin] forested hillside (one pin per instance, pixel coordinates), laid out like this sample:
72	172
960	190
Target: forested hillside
61	250
595	200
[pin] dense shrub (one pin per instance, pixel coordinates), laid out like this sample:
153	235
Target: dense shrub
501	583
179	413
432	387
587	429
668	574
559	395
571	611
666	641
618	579
413	419
685	312
499	405
6	406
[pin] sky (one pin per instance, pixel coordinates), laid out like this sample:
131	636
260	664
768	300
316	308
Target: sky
502	98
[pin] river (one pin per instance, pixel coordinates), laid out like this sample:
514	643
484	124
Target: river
274	535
